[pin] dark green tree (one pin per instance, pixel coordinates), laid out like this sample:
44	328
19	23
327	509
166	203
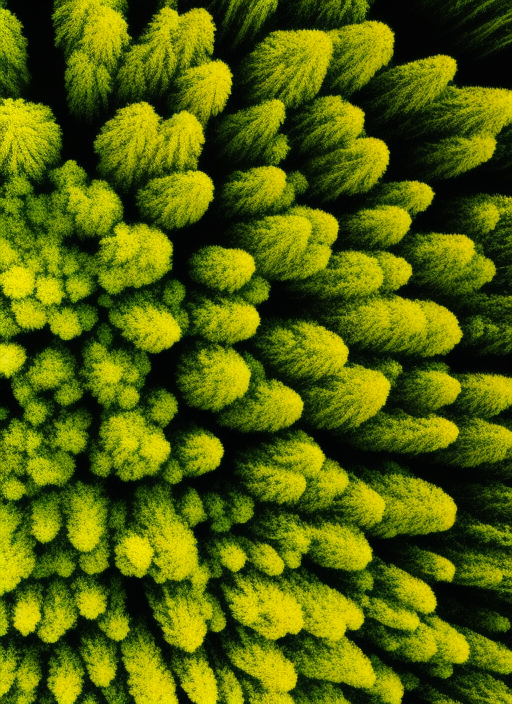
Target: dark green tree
452	156
478	442
243	22
14	75
423	391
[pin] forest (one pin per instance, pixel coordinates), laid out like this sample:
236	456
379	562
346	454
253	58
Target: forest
255	346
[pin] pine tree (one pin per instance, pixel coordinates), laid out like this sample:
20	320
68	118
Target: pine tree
302	57
300	350
348	171
483	395
453	156
203	90
193	42
349	274
221	269
13	56
177	200
128	145
251	136
345	400
396	270
359	51
222	320
448	264
423	391
30	140
413	506
407	88
373	228
88	86
210	376
478	442
253	193
146	323
243	22
399	432
413	196
326	123
182	142
332	13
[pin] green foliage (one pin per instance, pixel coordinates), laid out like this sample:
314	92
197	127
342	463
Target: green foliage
408	88
183	141
399	432
346	399
396	270
480	687
146	323
222	320
287	66
332	13
301	350
349	274
413	196
13	56
177	200
251	136
326	123
453	156
221	269
359	51
256	192
243	22
373	228
30	140
348	171
478	442
210	376
483	395
358	504
424	391
203	90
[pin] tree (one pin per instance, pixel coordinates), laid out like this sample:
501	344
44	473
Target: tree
16	549
324	226
487	654
221	269
332	13
399	432
358	504
250	136
210	376
149	679
182	142
301	350
100	658
452	156
177	200
146	323
483	395
242	23
423	391
486	328
406	89
196	677
349	274
260	658
253	193
12	358
359	51
478	442
197	451
412	505
413	196
288	66
373	228
476	215
447	264
66	674
13	56
135	255
479	688
326	123
340	661
88	86
203	90
348	171
409	591
85	508
339	547
131	446
396	270
345	400
257	602
425	564
30	139
128	145
193	42
268	406
466	111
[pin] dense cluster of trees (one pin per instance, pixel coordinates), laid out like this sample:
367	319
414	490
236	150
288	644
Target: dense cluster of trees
241	459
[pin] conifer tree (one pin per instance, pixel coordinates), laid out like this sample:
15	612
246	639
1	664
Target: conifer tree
177	200
453	156
483	395
243	22
349	274
413	196
221	269
331	14
210	376
374	228
302	56
30	140
250	136
222	320
399	432
182	142
146	323
13	56
478	442
300	350
359	51
326	123
203	90
424	391
345	400
253	193
407	88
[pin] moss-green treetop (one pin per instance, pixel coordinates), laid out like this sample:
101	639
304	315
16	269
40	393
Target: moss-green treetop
373	228
302	57
30	139
483	395
175	201
203	90
452	156
182	142
253	193
413	196
221	269
13	56
242	22
359	51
